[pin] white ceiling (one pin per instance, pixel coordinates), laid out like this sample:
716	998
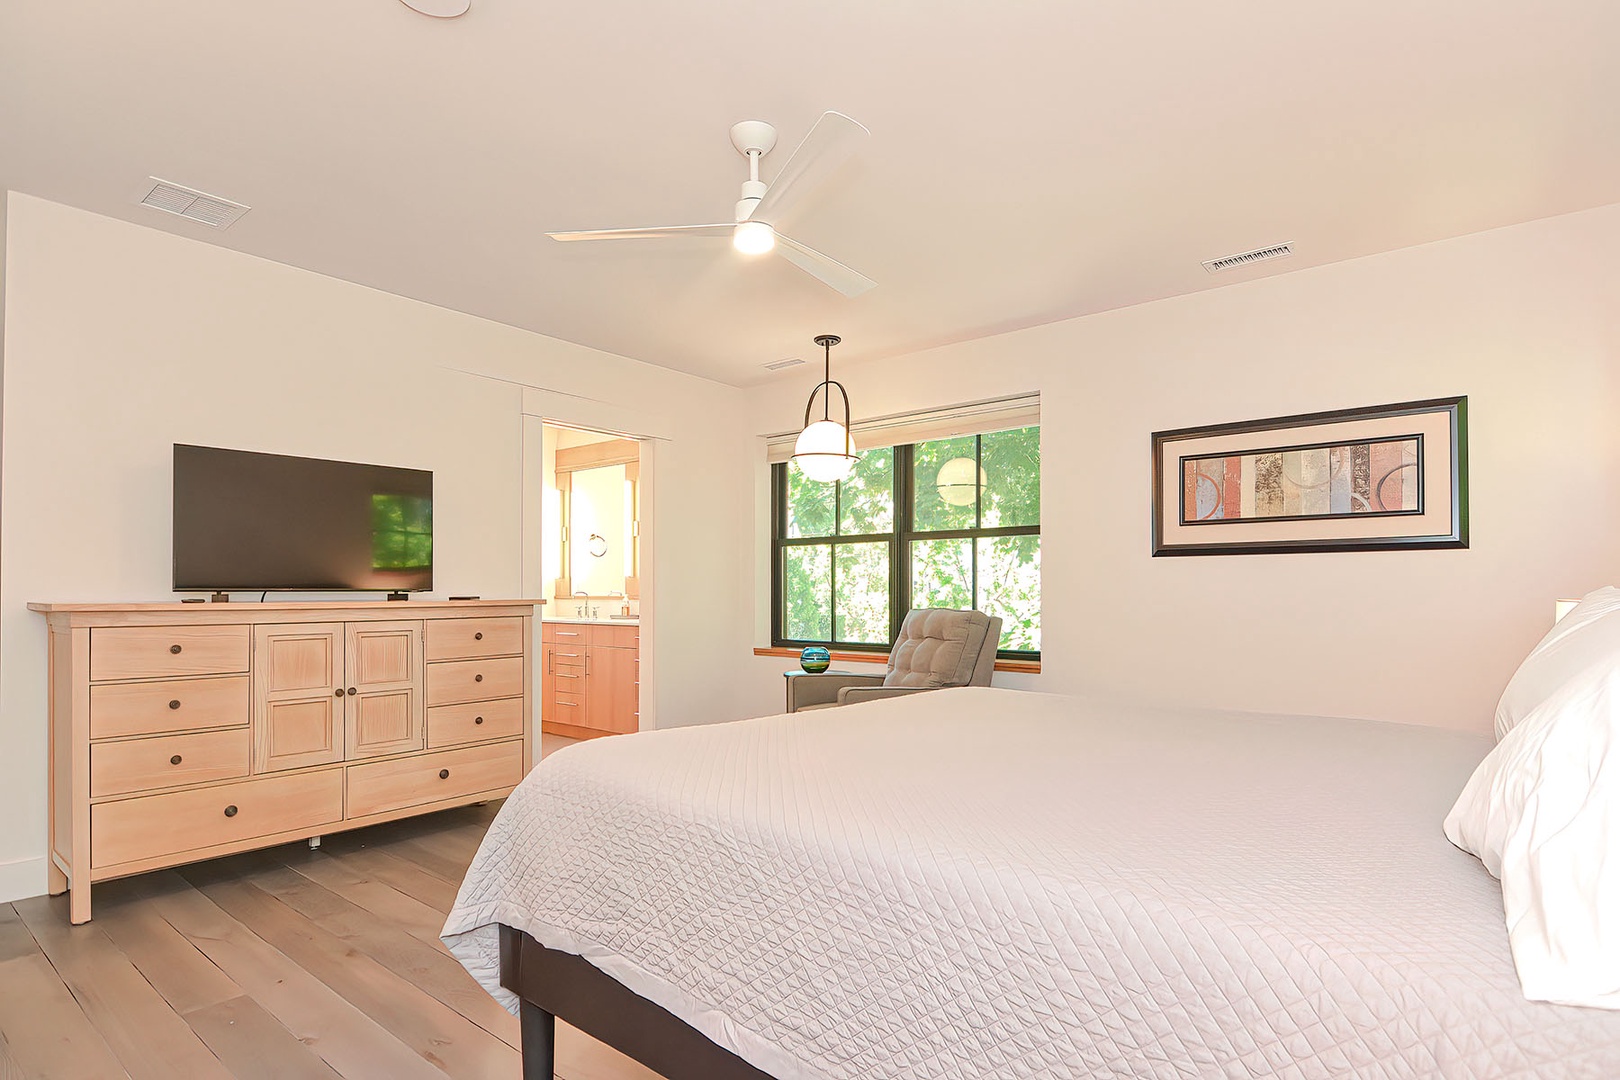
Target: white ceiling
1028	161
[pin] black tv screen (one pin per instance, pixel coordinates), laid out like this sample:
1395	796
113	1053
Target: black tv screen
252	521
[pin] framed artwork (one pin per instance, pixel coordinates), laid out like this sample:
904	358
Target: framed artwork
1376	479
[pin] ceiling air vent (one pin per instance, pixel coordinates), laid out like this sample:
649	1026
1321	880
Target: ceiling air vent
783	365
210	210
1231	262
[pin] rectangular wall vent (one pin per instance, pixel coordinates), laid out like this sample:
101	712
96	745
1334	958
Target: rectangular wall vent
210	210
782	365
1230	262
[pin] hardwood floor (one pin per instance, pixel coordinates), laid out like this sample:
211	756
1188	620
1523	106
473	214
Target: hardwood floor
285	963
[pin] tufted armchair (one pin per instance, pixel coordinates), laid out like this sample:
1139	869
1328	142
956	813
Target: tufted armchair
937	648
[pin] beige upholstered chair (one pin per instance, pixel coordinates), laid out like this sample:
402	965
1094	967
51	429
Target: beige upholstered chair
937	648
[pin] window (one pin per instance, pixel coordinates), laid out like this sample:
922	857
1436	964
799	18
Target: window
947	523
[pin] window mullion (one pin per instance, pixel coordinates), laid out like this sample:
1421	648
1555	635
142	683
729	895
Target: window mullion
778	564
900	546
832	601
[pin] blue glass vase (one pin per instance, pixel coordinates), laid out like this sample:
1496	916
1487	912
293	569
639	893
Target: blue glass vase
815	659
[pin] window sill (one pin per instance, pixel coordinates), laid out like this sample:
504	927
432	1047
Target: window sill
1027	667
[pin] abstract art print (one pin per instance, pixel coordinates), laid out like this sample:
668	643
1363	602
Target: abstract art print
1393	476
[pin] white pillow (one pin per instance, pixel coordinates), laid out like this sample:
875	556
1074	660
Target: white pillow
1580	641
1542	812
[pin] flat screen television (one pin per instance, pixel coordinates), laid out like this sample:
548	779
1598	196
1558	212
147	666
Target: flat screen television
252	522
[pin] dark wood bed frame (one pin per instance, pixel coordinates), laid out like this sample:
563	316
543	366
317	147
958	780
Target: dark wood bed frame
552	985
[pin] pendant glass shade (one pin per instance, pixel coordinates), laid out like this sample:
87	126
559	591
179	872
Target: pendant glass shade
955	482
825	451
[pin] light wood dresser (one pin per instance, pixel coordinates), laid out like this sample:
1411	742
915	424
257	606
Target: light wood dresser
180	732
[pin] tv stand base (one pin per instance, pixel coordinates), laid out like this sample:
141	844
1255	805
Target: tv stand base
220	598
399	596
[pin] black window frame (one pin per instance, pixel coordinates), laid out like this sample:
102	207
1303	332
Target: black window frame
899	541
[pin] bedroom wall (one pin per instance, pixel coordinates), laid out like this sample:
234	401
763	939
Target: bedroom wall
1523	320
122	340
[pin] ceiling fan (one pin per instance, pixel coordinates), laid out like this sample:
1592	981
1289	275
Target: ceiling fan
830	143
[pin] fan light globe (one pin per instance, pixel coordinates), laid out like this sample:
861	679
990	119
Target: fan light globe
753	238
825	451
955	481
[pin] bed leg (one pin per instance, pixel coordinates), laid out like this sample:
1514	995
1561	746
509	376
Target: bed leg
539	1035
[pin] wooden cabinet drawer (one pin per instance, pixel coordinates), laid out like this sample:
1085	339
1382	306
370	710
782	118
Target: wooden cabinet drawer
475	721
570	708
564	633
450	681
118	768
154	652
155	826
151	708
566	658
614	637
446	774
466	639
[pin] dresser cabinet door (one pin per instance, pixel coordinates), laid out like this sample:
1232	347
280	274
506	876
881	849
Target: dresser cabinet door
384	706
297	695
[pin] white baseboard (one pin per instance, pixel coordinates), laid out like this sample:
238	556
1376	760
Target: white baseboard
22	878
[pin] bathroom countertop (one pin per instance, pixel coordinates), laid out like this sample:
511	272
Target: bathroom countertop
634	620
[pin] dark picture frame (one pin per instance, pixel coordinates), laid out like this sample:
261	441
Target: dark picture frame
1191	516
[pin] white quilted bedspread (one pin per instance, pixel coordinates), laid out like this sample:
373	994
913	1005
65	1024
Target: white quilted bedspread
986	883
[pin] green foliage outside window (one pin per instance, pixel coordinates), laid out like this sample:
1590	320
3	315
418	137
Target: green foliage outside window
848	570
401	532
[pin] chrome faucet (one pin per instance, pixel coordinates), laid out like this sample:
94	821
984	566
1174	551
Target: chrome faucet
581	609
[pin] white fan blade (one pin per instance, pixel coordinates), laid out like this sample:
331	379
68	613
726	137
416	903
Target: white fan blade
829	144
823	268
646	234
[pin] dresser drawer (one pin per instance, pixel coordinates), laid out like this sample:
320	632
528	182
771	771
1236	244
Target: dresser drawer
151	708
154	652
446	774
118	768
475	721
450	681
154	826
466	639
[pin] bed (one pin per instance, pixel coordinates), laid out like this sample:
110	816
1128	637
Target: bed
988	883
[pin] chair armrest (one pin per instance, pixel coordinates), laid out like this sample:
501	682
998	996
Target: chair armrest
823	689
854	695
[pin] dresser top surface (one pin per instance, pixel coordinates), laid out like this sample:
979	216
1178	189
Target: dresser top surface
79	614
303	606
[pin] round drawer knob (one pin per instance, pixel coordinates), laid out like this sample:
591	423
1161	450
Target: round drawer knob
230	811
175	760
444	774
478	719
338	692
478	678
478	636
174	649
174	703
351	691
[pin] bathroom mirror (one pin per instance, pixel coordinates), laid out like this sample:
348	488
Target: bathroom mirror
599	489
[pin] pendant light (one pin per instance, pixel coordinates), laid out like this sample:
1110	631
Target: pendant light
825	450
